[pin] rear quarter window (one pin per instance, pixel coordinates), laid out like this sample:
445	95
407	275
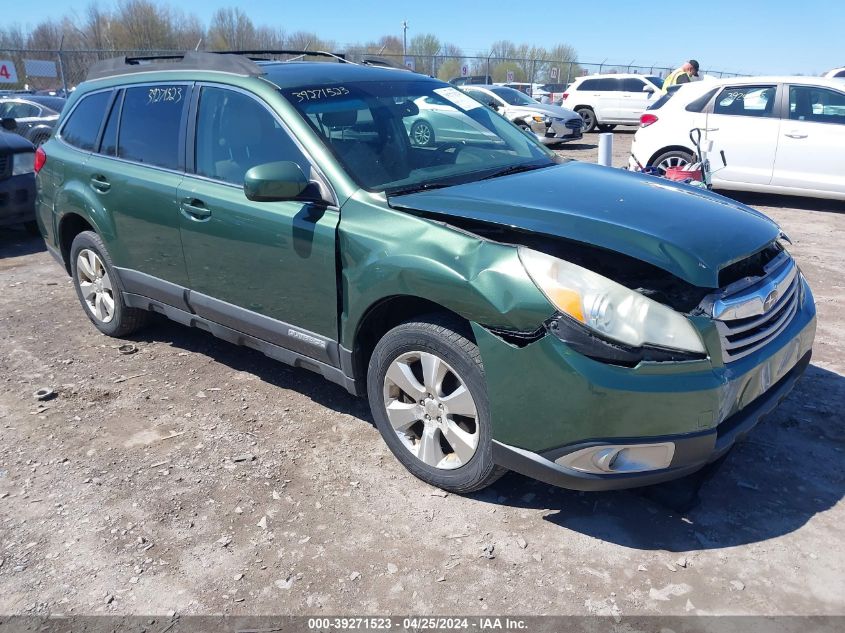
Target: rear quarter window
84	122
699	104
606	84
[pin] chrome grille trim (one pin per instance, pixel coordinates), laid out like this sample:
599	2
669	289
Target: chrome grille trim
760	324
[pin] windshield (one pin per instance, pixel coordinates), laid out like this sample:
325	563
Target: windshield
657	81
402	136
512	97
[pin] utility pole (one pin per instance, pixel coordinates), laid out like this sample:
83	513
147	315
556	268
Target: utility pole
404	38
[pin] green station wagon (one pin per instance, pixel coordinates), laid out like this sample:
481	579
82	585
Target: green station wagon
500	307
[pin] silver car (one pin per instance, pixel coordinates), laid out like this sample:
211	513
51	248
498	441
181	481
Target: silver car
439	122
551	124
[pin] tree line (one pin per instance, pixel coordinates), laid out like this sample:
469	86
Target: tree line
144	25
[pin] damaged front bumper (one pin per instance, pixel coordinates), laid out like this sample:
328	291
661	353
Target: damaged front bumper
583	424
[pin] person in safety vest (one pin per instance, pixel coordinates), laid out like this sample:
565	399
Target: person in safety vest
683	75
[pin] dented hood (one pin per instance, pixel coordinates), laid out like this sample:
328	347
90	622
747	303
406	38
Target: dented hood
689	232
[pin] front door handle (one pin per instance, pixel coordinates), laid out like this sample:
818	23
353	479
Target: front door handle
195	209
99	183
795	135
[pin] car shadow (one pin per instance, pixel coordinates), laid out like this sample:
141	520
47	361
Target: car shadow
785	202
17	242
786	471
272	372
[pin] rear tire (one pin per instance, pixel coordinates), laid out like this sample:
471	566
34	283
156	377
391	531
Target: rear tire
673	158
588	117
428	397
98	288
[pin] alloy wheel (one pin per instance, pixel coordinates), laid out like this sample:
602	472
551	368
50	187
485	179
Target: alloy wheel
670	162
422	133
95	285
431	410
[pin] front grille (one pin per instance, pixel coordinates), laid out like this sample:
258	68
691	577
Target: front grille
748	323
575	124
5	166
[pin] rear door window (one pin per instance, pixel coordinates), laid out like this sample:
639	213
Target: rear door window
84	122
756	101
605	84
152	129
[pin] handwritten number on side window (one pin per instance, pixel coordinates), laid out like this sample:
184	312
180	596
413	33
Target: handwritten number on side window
171	94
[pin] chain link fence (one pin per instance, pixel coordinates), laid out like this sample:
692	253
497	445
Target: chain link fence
62	70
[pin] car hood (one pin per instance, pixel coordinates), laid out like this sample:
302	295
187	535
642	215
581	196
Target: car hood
686	231
13	143
546	108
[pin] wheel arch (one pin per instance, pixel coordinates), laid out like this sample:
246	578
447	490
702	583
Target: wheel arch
38	130
71	225
383	316
77	210
669	148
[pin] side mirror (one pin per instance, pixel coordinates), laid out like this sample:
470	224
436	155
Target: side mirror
271	182
648	89
9	124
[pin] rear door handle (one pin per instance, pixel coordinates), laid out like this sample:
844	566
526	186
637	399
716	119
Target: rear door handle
795	135
195	209
99	183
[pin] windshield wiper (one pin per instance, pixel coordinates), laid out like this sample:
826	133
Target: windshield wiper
515	169
421	186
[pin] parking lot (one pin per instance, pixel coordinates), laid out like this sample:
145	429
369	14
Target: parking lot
193	476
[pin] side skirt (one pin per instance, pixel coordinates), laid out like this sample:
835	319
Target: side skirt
276	339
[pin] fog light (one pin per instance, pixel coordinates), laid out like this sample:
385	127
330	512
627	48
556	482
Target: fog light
620	458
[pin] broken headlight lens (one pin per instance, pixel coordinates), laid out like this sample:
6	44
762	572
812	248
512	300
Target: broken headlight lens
608	308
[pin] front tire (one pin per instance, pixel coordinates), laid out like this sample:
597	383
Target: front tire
428	397
588	117
99	289
422	134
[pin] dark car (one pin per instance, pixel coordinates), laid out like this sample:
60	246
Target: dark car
471	79
35	115
17	180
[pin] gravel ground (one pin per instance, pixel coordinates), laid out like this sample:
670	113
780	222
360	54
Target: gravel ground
196	477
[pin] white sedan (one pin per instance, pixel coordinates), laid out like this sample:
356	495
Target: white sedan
779	134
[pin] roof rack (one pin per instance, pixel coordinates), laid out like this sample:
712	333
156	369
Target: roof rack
254	54
191	60
381	62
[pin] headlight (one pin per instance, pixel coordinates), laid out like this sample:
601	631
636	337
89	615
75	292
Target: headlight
23	163
538	118
608	308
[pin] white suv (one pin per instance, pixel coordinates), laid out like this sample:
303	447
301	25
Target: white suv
604	101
